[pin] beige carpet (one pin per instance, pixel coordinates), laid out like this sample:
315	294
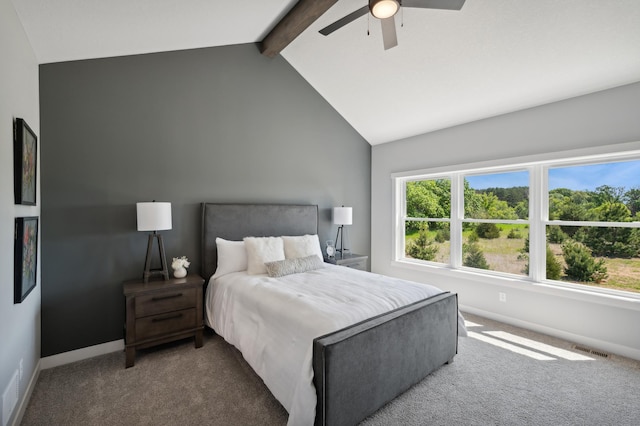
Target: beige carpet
486	385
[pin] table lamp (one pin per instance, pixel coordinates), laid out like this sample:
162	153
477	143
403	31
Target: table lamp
154	216
342	216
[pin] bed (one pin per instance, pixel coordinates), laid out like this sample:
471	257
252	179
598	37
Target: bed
330	358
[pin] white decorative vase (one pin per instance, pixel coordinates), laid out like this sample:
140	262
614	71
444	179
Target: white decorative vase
180	272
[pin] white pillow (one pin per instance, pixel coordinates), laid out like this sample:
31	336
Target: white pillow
302	246
261	250
232	257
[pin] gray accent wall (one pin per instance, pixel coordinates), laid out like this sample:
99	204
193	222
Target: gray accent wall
221	124
19	323
604	121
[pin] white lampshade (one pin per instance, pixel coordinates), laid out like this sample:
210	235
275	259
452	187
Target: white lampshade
342	215
154	216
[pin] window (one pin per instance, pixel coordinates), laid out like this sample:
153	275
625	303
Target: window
495	228
591	230
427	230
566	222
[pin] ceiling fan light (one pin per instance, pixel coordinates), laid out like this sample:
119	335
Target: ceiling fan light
383	9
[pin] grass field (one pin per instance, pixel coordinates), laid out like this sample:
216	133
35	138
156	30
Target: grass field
502	255
624	274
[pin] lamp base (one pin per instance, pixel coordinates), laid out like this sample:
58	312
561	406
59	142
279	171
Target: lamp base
340	239
163	271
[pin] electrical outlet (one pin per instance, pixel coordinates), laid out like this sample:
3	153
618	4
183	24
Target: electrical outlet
502	297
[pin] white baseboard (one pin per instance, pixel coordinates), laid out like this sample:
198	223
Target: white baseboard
80	354
603	345
22	407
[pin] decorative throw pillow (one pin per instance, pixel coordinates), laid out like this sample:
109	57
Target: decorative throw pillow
302	246
280	268
232	257
261	250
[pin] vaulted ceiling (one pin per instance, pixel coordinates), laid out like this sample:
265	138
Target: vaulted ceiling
450	67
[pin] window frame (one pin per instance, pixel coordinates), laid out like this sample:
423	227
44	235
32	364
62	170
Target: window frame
538	168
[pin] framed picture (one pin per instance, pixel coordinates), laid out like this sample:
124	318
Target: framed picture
25	158
25	257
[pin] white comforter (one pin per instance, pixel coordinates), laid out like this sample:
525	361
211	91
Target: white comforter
273	321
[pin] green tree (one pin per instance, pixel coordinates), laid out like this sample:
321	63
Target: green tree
473	256
522	209
608	194
487	230
422	247
612	211
612	242
513	234
472	201
513	196
632	200
555	234
554	267
566	204
443	235
581	266
491	207
428	198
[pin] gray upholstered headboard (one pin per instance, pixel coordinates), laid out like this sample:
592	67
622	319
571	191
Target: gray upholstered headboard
236	221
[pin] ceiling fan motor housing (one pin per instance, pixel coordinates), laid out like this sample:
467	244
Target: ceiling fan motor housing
383	9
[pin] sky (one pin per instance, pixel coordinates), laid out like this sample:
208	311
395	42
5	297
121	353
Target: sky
624	174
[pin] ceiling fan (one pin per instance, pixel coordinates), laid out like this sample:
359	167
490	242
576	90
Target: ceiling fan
385	10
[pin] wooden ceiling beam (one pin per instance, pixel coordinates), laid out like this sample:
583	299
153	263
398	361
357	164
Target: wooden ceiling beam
301	15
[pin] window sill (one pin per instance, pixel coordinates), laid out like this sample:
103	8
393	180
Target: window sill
572	291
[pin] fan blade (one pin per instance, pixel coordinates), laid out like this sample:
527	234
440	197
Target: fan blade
389	36
434	4
344	21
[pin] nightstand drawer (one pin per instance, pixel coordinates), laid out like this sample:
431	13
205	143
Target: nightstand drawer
177	299
165	323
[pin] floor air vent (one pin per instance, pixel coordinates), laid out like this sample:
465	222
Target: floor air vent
591	351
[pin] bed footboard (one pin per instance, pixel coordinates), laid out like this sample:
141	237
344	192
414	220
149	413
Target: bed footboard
360	368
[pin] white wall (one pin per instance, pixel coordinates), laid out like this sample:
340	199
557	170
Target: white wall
601	119
19	323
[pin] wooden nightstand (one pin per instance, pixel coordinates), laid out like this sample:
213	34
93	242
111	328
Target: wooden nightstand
162	311
350	260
